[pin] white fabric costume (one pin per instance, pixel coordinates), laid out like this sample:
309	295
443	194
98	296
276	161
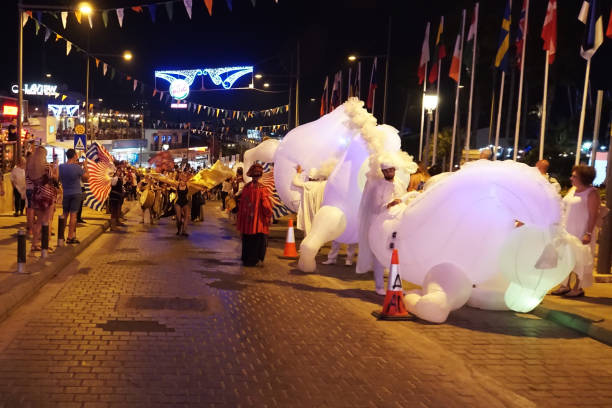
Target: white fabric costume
376	195
312	197
575	219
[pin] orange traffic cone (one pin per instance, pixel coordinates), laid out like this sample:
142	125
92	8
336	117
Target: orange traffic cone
393	306
290	250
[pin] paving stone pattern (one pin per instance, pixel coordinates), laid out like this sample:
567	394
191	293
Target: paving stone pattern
273	337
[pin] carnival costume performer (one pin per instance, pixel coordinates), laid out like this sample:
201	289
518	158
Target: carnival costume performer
382	195
254	216
181	205
312	197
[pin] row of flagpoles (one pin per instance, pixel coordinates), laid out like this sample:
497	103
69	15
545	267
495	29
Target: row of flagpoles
120	12
111	72
330	101
589	15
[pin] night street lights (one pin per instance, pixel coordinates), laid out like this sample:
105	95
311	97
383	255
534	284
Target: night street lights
430	103
127	55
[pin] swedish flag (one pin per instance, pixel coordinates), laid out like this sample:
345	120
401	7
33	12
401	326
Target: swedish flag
501	58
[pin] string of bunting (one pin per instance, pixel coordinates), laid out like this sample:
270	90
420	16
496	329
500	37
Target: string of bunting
151	8
222	114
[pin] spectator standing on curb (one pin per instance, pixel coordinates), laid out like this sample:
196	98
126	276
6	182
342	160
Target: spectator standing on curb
19	186
40	176
225	190
71	174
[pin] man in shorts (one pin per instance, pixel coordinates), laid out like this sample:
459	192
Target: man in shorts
70	174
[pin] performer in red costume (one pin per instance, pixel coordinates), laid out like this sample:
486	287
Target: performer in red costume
254	216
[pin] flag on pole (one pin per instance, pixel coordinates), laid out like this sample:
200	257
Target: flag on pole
440	53
373	85
549	31
520	34
473	25
355	81
424	56
501	57
335	93
609	31
324	98
456	63
592	18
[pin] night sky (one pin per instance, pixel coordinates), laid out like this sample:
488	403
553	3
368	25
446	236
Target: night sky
328	31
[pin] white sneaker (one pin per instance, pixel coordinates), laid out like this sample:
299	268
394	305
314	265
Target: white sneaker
329	262
348	262
381	292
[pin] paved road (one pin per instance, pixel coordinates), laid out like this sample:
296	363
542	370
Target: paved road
144	318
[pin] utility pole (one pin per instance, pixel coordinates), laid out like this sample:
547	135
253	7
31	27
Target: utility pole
20	115
384	117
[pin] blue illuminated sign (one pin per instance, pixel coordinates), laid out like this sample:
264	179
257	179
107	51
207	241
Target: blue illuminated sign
181	80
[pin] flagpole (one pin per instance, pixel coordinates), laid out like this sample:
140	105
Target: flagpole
435	136
544	102
422	114
469	121
499	112
583	111
452	152
522	77
596	127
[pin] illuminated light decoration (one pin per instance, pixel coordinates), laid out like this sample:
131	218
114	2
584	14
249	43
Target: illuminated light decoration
178	105
71	111
37	89
9	110
181	80
215	75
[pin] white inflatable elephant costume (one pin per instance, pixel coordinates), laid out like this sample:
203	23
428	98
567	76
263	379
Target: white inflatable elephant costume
460	240
342	140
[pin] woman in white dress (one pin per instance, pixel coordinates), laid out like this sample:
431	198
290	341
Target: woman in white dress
580	212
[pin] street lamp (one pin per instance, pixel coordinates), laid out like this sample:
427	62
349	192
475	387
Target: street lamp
352	58
430	103
127	55
258	76
85	8
266	85
48	75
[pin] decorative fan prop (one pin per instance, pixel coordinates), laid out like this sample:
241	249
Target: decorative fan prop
100	165
267	179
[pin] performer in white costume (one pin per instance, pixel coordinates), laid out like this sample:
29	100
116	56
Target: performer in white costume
379	195
312	197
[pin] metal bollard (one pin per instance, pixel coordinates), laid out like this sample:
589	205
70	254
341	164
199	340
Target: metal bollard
61	226
21	251
44	240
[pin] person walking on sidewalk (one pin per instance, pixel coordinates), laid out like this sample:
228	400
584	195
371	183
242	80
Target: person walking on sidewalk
254	216
71	174
19	186
580	215
39	174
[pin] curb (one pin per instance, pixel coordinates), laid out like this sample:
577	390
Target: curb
589	327
42	271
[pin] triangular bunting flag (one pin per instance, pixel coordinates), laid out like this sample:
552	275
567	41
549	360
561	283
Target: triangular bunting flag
137	9
152	9
105	18
97	63
47	34
104	68
253	1
120	16
90	22
209	4
77	14
63	97
64	15
57	37
37	26
161	95
68	47
199	108
129	78
39	15
24	19
188	4
112	73
170	9
154	92
135	84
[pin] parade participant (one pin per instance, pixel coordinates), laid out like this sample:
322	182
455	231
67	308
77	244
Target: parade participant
181	205
379	195
254	216
115	199
580	216
71	174
418	179
237	186
226	189
19	186
542	166
39	174
312	196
